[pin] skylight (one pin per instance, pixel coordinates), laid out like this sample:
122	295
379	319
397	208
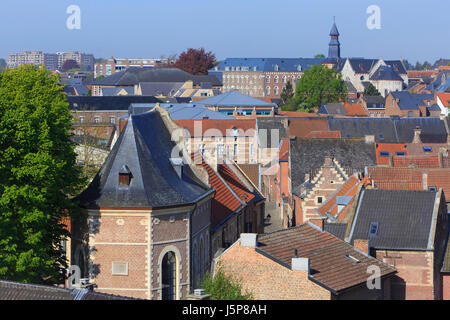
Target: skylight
373	229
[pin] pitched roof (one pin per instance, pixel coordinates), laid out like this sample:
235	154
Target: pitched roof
362	65
303	126
157	88
234	98
181	111
10	290
135	75
331	263
404	219
336	229
145	147
269	64
270	129
386	73
411	101
235	183
431	161
385	150
307	155
445	99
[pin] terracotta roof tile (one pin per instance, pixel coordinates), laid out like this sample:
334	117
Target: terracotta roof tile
417	161
235	183
330	262
391	148
302	127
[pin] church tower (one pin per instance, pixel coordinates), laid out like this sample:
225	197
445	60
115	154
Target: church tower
334	47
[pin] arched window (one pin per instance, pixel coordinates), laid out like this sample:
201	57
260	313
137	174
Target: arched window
275	79
268	91
275	91
284	79
267	79
169	276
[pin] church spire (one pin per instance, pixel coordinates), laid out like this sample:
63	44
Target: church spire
334	47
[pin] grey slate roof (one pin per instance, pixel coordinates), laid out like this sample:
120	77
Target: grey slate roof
145	147
386	73
269	64
409	101
336	229
135	75
390	130
333	108
404	219
23	291
181	111
237	99
308	155
268	129
157	88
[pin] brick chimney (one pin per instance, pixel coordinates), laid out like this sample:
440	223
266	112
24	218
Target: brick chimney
328	161
417	132
361	245
319	222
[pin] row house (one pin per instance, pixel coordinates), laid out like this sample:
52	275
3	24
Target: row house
405	104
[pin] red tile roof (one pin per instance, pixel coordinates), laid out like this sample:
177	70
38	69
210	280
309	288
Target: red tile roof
235	183
284	150
217	127
302	127
355	109
421	73
445	99
333	263
392	148
324	134
224	202
417	161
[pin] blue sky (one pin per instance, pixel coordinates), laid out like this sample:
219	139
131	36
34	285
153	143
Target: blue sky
412	29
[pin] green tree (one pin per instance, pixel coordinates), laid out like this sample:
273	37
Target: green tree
320	55
370	90
288	93
318	85
418	66
223	287
38	174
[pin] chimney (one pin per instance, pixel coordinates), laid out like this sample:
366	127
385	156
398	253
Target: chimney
361	245
249	240
425	180
391	160
300	264
319	222
369	138
417	132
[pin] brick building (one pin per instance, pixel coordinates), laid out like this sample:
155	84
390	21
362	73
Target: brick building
302	263
143	214
405	104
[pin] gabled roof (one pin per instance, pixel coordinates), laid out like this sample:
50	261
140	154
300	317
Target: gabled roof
307	155
135	75
301	127
235	99
409	101
160	88
433	129
270	129
336	229
145	147
445	99
404	219
235	183
357	128
386	73
362	65
181	111
269	64
331	263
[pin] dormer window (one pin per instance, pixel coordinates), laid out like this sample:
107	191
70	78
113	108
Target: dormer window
125	176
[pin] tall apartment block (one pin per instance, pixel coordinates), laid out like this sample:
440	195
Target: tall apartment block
52	61
121	64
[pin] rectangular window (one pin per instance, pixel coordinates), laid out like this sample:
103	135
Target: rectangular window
373	229
112	120
384	154
400	154
119	268
432	188
96	119
427	149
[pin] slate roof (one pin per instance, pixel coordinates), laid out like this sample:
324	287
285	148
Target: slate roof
268	129
269	64
307	155
235	99
409	101
374	100
433	129
94	103
334	31
145	147
23	291
157	88
404	219
362	65
336	229
386	73
329	257
180	111
135	75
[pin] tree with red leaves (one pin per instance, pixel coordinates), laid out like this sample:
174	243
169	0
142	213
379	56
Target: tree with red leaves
195	61
69	65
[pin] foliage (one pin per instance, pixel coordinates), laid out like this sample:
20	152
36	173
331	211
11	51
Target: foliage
100	77
195	61
69	65
370	90
223	287
318	85
320	55
38	173
288	93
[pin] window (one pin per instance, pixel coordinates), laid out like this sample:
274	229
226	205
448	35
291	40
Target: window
119	268
432	188
267	91
284	79
169	269
235	149
267	79
400	154
384	154
112	120
81	119
319	200
96	119
275	91
373	229
427	149
220	149
275	79
201	148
